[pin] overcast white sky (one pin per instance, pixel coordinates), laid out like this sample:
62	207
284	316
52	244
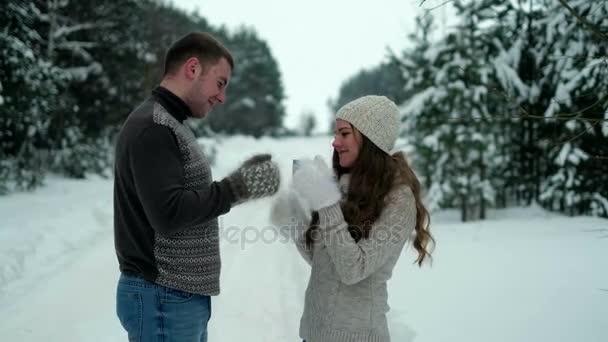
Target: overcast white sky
318	43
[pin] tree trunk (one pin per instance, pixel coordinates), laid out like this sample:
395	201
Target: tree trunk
482	201
463	208
52	11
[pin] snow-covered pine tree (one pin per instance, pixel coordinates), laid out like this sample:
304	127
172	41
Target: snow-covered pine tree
385	78
577	177
552	74
454	113
256	92
308	122
526	87
420	114
468	78
95	45
162	24
29	88
514	68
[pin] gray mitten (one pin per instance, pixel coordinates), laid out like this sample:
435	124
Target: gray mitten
257	177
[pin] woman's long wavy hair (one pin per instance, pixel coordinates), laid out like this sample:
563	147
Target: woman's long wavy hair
372	177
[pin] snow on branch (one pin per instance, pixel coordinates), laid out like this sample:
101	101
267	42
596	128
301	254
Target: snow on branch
77	51
416	103
67	30
565	88
69	45
80	74
583	21
435	7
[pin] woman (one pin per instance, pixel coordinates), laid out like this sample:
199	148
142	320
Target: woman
359	225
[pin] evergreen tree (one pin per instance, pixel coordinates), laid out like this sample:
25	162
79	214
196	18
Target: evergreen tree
308	123
29	89
452	111
552	81
95	47
255	95
531	89
577	177
383	79
421	115
72	71
162	25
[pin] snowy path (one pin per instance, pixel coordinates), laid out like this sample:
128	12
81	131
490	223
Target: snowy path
75	304
496	281
522	275
263	280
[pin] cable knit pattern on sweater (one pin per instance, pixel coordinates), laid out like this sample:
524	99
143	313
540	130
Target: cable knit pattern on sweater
346	299
189	260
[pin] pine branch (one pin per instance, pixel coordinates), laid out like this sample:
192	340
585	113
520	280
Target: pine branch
560	116
573	138
67	30
436	7
584	21
78	49
577	59
512	118
73	45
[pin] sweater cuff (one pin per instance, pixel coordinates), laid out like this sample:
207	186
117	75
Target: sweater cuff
234	189
238	188
331	217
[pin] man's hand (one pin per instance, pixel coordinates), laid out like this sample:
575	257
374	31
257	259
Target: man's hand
257	177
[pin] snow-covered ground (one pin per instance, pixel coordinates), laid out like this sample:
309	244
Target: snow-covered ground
522	275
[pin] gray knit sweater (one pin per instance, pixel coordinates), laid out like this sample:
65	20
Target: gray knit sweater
346	299
165	202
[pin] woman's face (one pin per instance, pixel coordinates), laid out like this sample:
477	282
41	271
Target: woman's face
347	142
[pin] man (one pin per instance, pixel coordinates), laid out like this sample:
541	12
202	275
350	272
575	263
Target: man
165	202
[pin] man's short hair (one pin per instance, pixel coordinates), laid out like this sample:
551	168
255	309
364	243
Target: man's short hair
201	45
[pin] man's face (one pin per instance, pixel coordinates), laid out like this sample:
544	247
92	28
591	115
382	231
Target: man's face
208	87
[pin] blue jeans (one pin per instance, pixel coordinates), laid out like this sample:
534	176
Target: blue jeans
154	313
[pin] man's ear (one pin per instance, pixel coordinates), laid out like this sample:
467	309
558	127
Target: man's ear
190	67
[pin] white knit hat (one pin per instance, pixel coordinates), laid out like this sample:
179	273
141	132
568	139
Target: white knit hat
376	117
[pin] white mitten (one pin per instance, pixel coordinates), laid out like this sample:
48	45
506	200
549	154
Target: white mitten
289	216
287	209
314	182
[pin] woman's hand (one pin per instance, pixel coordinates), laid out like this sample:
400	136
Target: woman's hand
315	183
